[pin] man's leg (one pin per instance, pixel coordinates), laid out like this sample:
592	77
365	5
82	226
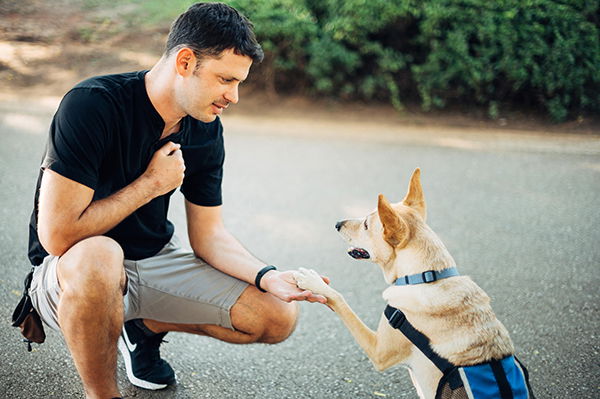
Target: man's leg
90	311
196	298
256	317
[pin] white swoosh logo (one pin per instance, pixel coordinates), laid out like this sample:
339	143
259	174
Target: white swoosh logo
130	346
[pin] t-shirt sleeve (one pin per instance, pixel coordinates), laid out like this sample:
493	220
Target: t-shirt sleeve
80	136
204	171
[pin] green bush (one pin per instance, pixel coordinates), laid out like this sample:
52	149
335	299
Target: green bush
285	28
534	53
538	54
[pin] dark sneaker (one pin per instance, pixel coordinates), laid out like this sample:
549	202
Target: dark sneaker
145	368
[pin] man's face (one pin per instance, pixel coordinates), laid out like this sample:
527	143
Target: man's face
207	91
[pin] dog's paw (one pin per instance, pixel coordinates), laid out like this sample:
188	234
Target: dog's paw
310	280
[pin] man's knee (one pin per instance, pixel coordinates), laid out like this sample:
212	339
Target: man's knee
95	263
283	320
263	317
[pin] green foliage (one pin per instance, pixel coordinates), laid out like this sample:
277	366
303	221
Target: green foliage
285	28
497	54
540	53
535	52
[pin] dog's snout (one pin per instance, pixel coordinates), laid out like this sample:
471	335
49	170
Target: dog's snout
339	225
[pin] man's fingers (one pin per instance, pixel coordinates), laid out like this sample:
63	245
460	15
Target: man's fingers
317	298
170	148
302	296
308	296
177	154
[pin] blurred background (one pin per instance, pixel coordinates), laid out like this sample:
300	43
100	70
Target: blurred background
511	63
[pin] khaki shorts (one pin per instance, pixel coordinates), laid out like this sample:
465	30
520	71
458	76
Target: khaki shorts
173	286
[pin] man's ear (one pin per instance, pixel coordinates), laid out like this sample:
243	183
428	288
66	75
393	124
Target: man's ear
395	230
185	61
415	198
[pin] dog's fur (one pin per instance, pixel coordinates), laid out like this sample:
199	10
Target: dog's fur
454	313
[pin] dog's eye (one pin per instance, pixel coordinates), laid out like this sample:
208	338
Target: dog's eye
365	225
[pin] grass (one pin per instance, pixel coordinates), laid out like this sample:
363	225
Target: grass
141	12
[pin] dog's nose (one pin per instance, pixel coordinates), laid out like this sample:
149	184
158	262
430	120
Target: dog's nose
339	225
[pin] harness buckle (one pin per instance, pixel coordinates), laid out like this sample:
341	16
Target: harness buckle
429	276
397	318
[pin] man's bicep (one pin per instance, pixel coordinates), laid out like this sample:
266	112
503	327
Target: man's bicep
80	136
61	203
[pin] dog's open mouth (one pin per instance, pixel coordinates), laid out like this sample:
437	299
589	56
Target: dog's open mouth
358	253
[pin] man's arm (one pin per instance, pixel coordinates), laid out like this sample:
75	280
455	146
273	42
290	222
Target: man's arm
212	242
67	213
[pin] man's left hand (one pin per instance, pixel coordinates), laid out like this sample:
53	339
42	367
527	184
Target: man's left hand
283	286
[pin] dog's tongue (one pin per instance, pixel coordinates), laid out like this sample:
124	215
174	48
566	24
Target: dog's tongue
358	253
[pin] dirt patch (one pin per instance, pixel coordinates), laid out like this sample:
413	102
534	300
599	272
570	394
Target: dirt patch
48	46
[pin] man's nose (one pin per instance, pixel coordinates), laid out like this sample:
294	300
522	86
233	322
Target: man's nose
232	95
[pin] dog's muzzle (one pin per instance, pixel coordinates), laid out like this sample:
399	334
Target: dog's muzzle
358	253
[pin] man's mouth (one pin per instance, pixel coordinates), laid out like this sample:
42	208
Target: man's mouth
218	108
358	253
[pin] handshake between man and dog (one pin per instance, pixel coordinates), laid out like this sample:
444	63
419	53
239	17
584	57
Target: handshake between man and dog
437	323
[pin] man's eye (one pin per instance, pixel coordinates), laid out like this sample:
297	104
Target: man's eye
365	225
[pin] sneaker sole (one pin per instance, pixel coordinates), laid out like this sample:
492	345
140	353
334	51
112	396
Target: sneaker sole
132	378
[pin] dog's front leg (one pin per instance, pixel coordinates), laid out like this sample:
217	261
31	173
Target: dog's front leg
384	348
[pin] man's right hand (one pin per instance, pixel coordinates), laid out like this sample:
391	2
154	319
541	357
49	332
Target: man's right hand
165	171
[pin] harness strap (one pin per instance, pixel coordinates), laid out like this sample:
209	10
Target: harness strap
500	375
397	319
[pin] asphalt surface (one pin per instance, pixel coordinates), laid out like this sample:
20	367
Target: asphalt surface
518	212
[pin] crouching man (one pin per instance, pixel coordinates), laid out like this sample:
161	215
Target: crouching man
119	145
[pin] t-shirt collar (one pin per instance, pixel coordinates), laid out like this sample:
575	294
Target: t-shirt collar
153	115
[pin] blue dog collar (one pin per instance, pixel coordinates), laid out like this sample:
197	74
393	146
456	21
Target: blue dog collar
427	277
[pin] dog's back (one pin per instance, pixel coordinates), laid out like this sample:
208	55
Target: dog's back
455	314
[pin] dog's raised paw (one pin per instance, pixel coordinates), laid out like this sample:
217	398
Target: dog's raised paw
309	280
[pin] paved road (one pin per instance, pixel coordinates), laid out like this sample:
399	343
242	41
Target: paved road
518	212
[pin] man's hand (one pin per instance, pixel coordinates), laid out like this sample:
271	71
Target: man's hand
165	171
283	286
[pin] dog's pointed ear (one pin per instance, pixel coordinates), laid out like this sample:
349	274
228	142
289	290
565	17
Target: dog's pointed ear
395	229
415	198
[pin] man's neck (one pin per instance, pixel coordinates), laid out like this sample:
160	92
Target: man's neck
160	93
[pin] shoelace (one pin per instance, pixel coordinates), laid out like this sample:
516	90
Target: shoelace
152	345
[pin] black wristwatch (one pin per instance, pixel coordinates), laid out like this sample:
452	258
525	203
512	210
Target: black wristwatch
260	275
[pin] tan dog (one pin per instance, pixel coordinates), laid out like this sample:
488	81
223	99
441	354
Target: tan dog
454	313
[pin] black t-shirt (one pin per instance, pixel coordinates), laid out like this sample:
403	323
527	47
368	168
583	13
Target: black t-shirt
104	134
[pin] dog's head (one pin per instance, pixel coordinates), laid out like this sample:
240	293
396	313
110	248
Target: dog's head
381	234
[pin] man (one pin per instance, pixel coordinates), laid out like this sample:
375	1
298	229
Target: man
119	146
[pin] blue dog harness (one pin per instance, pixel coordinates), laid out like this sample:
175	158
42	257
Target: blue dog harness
503	378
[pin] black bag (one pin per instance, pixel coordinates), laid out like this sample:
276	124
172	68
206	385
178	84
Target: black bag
27	318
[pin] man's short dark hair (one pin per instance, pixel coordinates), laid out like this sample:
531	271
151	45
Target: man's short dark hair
210	28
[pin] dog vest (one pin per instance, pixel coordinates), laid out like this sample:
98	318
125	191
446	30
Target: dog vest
503	378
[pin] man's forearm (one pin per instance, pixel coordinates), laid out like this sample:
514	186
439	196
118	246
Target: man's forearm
104	214
59	231
212	242
67	213
224	252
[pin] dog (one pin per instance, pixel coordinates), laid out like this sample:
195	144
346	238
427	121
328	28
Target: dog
453	313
